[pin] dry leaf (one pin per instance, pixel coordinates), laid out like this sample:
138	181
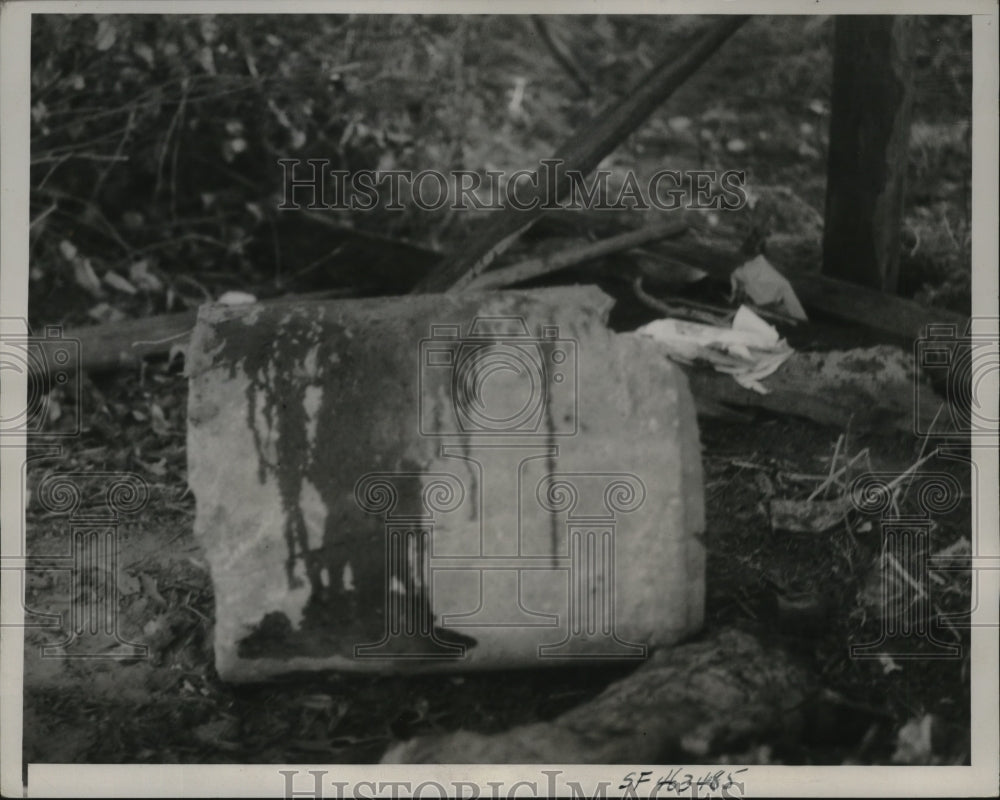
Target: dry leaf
207	60
913	743
85	277
106	35
141	276
68	249
158	420
126	583
236	298
158	468
888	665
145	52
102	312
116	281
151	591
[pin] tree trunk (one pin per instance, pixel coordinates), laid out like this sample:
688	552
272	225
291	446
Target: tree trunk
869	133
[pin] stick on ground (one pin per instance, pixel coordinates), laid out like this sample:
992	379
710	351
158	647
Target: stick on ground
536	267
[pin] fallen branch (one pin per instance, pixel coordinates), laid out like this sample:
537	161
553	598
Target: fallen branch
581	154
703	312
901	319
686	702
118	345
865	388
536	267
124	344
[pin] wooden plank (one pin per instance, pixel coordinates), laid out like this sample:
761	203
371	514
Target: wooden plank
125	344
895	318
581	153
794	390
686	702
869	133
118	345
805	386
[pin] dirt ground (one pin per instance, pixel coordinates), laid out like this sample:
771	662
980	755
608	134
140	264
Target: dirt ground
763	106
815	594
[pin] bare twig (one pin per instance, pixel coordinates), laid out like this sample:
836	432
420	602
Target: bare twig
93	210
38	219
905	475
829	478
47	159
537	267
834	475
118	151
174	123
689	310
923	447
177	144
189	280
562	55
581	153
59	162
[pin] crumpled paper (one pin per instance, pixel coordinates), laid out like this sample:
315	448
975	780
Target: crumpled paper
749	351
765	286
